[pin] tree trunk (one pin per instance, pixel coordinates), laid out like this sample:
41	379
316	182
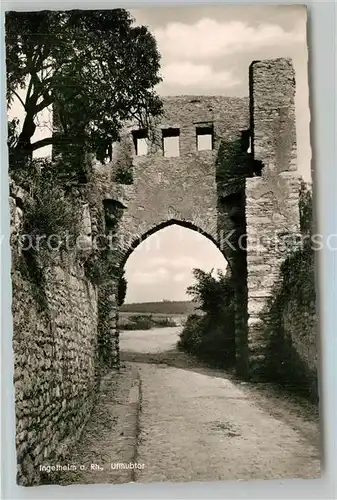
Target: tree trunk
22	154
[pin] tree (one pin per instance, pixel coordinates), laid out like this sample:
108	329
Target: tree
95	67
211	293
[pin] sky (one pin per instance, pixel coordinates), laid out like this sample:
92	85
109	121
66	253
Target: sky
208	50
160	268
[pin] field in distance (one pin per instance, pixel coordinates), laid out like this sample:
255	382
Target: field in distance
146	315
163	308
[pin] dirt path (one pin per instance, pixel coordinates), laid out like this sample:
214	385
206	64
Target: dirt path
193	423
196	424
109	439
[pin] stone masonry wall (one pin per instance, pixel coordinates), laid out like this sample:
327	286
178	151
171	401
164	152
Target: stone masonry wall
272	210
55	353
266	226
272	114
291	328
183	188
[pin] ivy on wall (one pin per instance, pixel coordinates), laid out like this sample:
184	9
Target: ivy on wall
123	162
103	270
234	163
50	218
294	292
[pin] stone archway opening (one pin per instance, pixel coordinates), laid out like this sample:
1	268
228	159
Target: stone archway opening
136	240
158	268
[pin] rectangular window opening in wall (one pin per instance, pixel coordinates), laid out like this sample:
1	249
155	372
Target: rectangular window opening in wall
140	140
171	145
205	137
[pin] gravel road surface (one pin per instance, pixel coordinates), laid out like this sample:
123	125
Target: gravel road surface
197	424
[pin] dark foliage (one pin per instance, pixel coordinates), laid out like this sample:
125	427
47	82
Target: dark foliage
51	217
124	176
50	220
306	209
297	284
211	336
234	163
146	322
95	67
139	322
122	287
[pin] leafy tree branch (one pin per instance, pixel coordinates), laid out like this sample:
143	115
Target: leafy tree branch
96	68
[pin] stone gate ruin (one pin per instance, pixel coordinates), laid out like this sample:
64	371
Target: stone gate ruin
175	175
174	178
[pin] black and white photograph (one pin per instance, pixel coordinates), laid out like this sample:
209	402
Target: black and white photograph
164	298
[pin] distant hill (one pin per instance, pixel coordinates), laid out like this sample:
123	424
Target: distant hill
165	307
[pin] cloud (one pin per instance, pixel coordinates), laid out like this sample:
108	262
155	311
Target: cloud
210	39
161	269
188	74
150	277
178	278
181	262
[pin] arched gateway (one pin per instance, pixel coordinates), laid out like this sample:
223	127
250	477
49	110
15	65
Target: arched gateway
142	237
222	166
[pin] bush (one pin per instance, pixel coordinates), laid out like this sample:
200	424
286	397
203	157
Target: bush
209	341
49	216
50	212
164	322
145	322
190	337
138	322
122	288
298	286
211	336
